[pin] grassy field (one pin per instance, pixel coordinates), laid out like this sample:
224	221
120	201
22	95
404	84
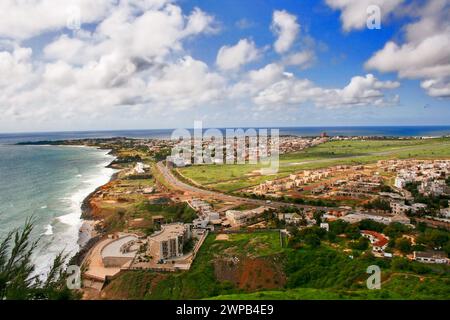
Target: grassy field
399	287
320	273
228	178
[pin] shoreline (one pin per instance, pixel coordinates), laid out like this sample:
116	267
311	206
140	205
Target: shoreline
87	233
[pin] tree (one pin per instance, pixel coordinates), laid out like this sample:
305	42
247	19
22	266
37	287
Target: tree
16	270
338	226
312	240
395	229
368	224
318	217
403	244
447	249
352	231
434	238
378	204
360	244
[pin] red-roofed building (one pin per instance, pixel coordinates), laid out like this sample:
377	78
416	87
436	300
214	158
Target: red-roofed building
378	240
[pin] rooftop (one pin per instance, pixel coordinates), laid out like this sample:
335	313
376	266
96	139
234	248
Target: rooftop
168	231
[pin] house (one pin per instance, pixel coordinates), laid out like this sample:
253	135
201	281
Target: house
378	240
399	207
431	257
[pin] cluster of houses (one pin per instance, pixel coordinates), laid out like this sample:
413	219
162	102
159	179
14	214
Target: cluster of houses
430	174
293	143
247	149
359	181
207	217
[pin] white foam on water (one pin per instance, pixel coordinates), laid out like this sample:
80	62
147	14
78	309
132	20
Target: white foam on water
48	230
44	207
65	228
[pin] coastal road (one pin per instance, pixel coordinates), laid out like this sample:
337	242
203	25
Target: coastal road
202	193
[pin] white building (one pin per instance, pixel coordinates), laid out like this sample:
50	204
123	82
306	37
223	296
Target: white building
168	242
239	218
431	257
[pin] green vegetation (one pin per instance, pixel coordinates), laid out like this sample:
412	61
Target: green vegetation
230	178
17	281
397	287
434	203
176	212
378	204
200	281
314	268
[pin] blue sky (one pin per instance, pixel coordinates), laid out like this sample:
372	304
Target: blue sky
218	61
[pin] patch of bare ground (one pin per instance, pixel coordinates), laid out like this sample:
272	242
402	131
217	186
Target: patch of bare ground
251	274
222	237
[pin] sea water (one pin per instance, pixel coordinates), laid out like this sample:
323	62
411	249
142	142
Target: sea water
49	183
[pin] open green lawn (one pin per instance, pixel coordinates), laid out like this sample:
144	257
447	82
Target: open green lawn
228	178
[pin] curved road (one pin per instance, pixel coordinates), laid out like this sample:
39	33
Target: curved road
182	186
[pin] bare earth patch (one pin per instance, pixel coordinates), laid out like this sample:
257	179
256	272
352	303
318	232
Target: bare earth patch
222	237
250	274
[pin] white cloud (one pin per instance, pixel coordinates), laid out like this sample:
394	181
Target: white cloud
426	52
361	91
127	60
25	19
133	62
15	67
185	84
303	59
232	58
256	80
285	26
354	12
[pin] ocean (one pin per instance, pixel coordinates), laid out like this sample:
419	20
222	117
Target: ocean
394	131
50	182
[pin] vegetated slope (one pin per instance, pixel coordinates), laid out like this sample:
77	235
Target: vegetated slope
255	266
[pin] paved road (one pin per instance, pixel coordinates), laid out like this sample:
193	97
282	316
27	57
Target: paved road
202	193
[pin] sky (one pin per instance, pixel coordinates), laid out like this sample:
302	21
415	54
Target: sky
152	64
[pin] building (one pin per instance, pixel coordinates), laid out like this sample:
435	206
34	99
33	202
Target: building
378	240
445	213
378	217
430	257
239	218
120	250
169	241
